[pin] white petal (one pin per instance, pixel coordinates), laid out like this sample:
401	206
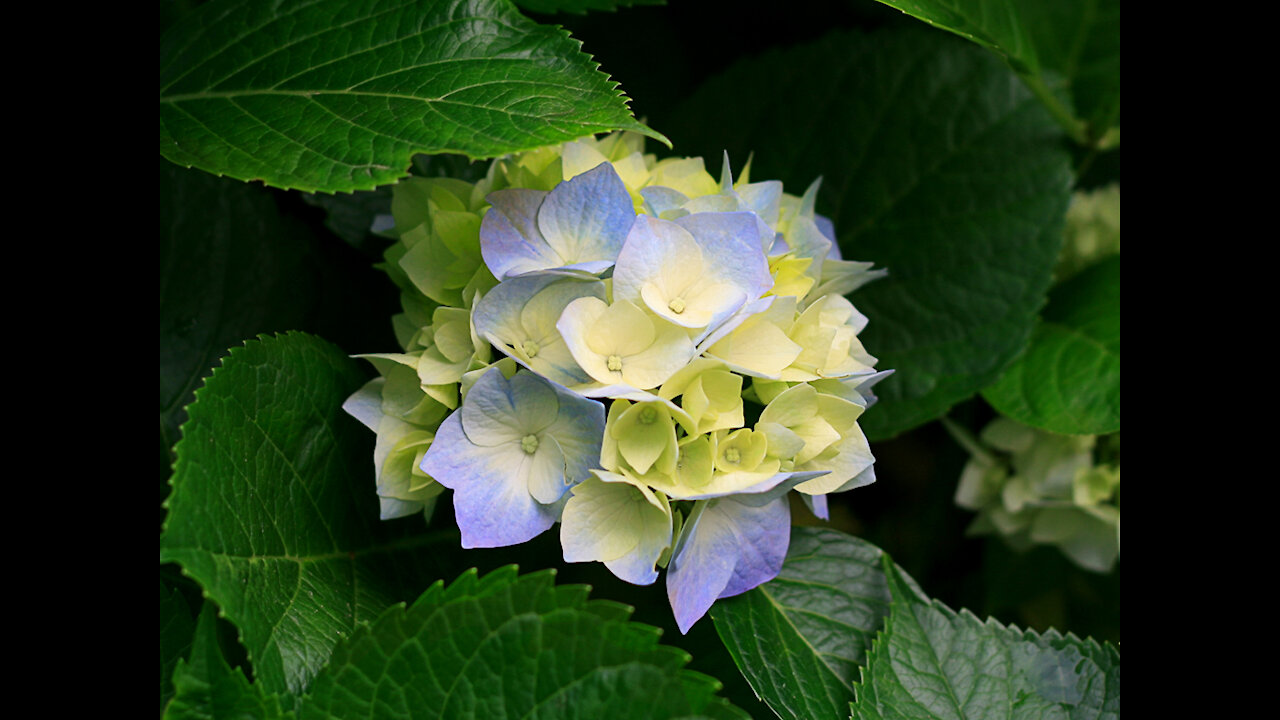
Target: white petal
546	468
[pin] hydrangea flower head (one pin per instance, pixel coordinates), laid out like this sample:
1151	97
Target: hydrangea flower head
674	356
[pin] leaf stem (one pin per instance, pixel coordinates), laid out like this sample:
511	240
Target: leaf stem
968	441
1076	129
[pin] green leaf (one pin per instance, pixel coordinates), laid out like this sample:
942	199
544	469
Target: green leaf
231	266
207	687
337	96
800	638
931	662
177	625
1069	379
502	646
1060	48
938	165
580	7
274	513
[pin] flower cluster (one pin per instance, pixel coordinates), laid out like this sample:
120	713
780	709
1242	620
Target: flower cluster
1037	487
647	355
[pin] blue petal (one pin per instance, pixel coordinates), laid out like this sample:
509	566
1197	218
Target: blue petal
489	415
498	312
527	308
761	561
828	229
579	428
726	549
491	499
659	200
510	241
817	505
763	199
732	243
586	219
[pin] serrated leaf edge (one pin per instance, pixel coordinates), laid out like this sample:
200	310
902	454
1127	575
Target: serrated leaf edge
610	85
439	595
1025	634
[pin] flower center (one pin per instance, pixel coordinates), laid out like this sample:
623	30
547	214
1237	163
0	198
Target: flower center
733	455
529	444
530	348
614	363
676	305
647	416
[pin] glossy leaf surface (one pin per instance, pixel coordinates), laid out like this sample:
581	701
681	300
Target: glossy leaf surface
1069	379
273	510
208	688
801	637
503	646
337	96
932	662
1067	51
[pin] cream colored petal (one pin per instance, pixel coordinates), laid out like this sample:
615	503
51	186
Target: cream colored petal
546	470
622	329
759	348
575	325
667	353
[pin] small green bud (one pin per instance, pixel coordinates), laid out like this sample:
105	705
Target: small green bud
614	363
676	305
529	444
530	348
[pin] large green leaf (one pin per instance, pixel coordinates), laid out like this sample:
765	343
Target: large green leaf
1069	379
939	165
931	662
337	95
800	638
502	646
1061	48
208	688
274	513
